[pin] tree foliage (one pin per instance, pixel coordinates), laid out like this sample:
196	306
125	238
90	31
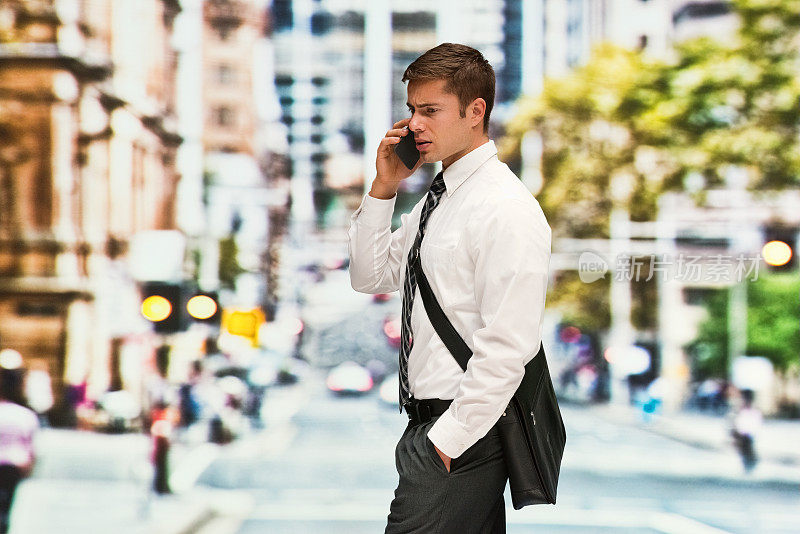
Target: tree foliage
625	128
709	350
773	320
229	268
773	327
713	105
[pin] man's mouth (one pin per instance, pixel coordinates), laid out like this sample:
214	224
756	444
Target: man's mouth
422	144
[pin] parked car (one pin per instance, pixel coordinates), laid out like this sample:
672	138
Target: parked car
390	391
349	378
116	412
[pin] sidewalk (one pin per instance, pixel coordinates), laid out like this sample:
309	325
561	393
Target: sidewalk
97	483
777	444
46	506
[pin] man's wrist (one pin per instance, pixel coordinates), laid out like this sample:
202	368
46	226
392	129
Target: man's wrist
383	190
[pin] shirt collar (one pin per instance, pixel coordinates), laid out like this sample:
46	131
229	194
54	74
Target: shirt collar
461	169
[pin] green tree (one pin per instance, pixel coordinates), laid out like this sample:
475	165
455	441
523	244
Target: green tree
773	327
736	103
591	130
589	124
715	106
773	319
709	350
229	268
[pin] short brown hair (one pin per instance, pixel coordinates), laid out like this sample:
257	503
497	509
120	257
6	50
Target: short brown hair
466	72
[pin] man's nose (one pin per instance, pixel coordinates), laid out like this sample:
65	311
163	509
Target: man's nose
415	125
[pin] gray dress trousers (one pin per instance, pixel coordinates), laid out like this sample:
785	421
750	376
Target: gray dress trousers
429	500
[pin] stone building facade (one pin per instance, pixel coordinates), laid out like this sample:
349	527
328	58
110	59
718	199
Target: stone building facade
87	159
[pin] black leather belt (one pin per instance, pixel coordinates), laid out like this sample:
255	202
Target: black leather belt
420	411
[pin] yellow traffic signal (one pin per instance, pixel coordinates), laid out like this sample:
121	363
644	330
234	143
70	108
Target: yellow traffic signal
201	307
156	308
776	253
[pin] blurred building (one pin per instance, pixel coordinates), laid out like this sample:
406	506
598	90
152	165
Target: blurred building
230	31
547	38
324	82
702	18
87	108
231	151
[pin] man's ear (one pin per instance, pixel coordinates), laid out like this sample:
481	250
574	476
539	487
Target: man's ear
476	111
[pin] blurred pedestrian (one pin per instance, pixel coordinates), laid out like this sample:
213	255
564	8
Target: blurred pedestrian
188	403
746	423
18	426
654	399
164	419
485	252
39	390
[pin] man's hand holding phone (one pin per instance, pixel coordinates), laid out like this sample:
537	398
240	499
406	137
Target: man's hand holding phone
391	169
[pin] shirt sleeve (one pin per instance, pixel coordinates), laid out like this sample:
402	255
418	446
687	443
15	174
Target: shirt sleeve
375	251
511	249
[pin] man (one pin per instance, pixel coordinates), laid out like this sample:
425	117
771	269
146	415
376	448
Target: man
484	245
18	425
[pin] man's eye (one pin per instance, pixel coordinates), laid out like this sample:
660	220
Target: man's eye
432	110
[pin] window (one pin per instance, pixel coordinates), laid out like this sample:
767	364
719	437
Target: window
223	32
226	75
224	116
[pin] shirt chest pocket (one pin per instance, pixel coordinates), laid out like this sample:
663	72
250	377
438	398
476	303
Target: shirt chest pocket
437	255
441	269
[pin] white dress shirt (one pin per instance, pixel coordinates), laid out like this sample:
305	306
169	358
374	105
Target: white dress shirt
486	253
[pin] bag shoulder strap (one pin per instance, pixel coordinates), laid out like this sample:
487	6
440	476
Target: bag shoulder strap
444	328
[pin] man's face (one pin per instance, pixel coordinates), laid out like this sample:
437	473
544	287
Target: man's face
440	132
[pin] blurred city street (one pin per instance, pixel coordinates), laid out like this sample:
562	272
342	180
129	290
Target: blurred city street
181	348
325	463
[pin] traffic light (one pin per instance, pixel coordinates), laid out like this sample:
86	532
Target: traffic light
203	307
778	249
164	304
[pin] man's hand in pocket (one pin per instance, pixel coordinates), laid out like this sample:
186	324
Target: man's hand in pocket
444	457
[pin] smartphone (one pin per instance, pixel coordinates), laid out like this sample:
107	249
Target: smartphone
407	151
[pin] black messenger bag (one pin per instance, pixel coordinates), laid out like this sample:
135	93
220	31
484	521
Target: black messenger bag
531	429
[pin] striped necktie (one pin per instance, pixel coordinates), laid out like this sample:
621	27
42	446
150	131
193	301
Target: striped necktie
410	286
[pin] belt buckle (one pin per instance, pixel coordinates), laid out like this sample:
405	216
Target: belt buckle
418	413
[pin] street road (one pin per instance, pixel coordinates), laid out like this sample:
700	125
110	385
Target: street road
335	474
326	464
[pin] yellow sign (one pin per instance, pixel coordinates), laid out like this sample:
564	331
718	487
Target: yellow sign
245	323
156	308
